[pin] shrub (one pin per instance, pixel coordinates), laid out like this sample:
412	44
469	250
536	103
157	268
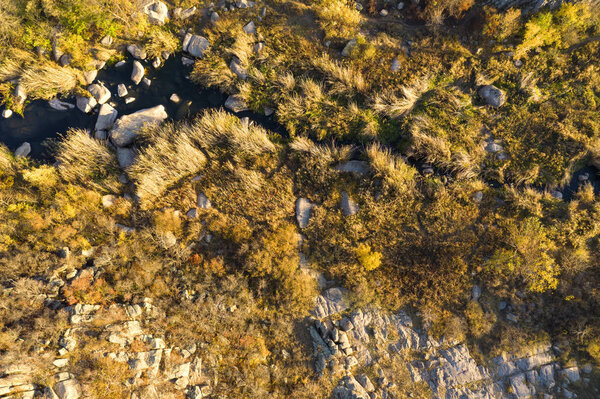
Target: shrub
480	322
527	256
501	25
395	172
369	259
338	18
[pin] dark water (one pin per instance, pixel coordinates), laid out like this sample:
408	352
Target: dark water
42	123
593	178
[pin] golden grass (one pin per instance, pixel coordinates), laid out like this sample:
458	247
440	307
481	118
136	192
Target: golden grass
87	161
47	80
391	168
393	106
325	153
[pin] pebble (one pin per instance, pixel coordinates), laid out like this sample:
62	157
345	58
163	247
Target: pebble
175	98
7	113
383	13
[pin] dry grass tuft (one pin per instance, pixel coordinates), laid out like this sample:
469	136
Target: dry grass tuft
87	161
325	153
343	80
47	80
391	168
389	104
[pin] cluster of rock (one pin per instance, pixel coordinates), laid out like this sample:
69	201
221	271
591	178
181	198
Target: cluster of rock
361	339
528	6
155	367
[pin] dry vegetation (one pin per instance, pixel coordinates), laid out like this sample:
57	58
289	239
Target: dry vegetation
419	240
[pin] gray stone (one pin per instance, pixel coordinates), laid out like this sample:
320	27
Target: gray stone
236	67
195	45
366	383
519	386
106	41
99	92
384	13
492	95
571	374
349	388
106	117
236	103
146	82
249	28
65	60
137	73
108	200
23	150
20	94
137	52
359	168
214	17
259	47
187	13
100	134
349	207
395	67
349	47
125	157
476	292
156	63
90	76
126	127
68	389
122	90
203	201
493	147
157	12
303	209
86	104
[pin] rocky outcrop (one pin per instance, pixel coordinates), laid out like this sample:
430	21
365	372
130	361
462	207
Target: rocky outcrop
362	338
125	129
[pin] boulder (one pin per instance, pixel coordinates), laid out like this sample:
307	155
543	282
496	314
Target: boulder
86	104
250	28
303	208
126	127
68	389
214	17
125	157
23	150
99	92
122	90
236	103
108	200
137	73
157	12
106	117
195	45
90	76
349	207
136	51
492	95
58	105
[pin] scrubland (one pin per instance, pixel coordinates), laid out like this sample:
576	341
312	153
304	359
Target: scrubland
420	240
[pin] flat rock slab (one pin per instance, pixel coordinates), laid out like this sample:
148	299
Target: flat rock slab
127	126
303	208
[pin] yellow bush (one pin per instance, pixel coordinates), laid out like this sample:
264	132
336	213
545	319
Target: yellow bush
369	259
338	18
